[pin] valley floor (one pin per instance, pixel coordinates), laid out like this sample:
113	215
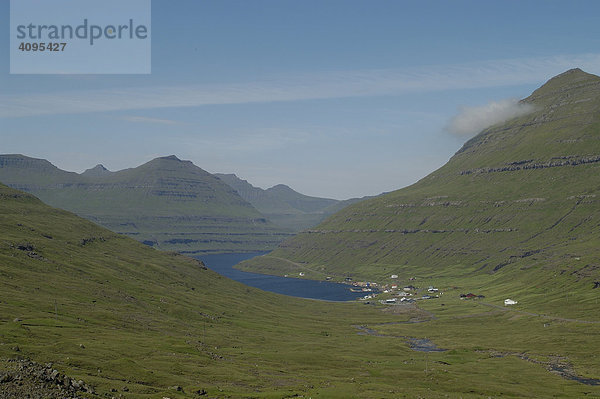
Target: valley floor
476	347
454	349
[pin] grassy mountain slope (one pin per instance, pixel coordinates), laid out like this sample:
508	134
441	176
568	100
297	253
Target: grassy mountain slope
146	319
284	206
120	315
167	203
133	322
519	203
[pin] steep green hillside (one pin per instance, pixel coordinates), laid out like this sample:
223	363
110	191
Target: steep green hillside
167	203
146	319
519	203
136	323
284	206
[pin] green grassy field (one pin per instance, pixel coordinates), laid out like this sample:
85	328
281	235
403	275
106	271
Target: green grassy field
116	314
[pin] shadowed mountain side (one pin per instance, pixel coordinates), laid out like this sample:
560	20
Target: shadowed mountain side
284	206
166	203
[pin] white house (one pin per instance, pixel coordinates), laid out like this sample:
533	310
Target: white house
509	302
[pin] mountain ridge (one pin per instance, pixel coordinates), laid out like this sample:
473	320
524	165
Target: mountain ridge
285	206
97	171
281	204
166	202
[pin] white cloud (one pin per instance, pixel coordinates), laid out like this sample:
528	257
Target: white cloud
338	84
472	120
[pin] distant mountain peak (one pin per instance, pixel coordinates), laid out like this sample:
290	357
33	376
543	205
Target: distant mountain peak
572	75
282	187
568	80
170	158
96	171
572	71
99	168
170	162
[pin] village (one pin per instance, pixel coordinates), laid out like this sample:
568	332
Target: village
393	293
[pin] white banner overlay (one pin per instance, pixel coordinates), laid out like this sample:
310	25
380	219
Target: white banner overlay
80	37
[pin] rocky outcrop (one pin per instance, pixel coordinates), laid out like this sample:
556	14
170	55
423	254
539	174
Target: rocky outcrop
27	379
528	165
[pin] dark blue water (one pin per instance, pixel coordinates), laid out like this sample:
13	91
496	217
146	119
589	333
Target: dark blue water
324	290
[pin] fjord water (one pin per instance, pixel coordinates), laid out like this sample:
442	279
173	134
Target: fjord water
323	290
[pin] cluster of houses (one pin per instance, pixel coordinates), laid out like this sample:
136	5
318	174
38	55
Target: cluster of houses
406	294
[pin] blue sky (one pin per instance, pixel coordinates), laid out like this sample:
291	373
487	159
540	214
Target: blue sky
334	98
